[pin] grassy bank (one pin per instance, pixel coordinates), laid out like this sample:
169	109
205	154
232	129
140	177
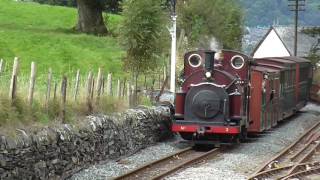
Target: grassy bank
43	34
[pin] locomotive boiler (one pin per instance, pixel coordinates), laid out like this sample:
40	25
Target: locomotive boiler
225	95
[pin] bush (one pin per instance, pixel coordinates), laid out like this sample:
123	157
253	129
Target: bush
316	76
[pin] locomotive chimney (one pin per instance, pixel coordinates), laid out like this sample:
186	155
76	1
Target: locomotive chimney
209	63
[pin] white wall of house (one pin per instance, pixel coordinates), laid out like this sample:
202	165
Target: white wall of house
272	46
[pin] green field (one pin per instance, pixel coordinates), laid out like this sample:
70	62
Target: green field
44	34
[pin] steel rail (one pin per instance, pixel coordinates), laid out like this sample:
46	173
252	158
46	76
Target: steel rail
268	173
304	158
263	167
157	166
303	173
141	168
265	174
191	161
300	151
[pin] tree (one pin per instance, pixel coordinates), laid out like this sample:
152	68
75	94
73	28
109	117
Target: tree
90	19
143	35
314	54
71	3
112	6
219	19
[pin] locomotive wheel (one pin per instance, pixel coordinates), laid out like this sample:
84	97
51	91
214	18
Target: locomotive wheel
186	136
243	136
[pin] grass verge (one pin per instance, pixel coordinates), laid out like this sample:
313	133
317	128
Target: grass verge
43	34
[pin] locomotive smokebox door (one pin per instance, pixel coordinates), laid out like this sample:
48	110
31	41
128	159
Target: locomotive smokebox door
207	102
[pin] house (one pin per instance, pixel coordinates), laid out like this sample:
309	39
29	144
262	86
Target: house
271	45
278	41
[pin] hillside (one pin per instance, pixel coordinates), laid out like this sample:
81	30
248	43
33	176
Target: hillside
43	34
265	12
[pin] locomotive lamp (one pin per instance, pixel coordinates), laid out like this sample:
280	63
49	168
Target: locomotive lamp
208	74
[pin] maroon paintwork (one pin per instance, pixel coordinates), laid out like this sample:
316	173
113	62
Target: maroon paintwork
223	74
254	90
226	65
180	97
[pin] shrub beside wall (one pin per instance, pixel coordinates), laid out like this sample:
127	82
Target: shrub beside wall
58	152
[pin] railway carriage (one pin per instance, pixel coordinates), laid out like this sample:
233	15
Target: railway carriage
225	96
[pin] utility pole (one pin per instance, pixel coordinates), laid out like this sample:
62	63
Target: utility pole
173	32
296	6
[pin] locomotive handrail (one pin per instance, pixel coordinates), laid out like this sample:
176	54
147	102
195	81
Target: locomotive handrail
208	83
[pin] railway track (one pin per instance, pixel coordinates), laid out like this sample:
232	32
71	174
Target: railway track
300	159
163	167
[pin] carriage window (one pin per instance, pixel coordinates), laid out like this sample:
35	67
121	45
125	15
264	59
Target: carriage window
282	81
294	78
194	60
285	79
289	78
237	62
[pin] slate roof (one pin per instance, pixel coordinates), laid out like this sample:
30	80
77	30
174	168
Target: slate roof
255	35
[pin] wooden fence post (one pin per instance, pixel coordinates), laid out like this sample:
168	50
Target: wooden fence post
124	88
164	73
14	77
159	77
48	87
63	98
102	88
32	83
99	84
13	88
89	89
129	93
76	87
1	65
153	83
55	91
118	89
145	82
134	96
109	85
99	76
92	88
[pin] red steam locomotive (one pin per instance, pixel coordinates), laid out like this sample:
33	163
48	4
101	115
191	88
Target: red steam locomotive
222	99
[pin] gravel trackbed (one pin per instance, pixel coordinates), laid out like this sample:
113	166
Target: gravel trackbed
237	162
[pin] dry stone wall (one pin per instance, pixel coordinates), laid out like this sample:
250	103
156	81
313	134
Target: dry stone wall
57	152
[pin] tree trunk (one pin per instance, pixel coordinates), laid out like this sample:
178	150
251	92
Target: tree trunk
90	18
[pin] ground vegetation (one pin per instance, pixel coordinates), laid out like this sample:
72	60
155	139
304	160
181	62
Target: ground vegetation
49	41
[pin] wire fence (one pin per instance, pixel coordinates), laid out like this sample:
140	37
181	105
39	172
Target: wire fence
90	87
